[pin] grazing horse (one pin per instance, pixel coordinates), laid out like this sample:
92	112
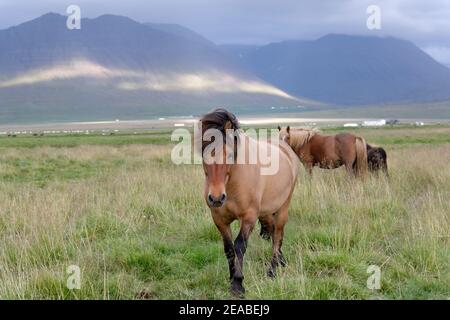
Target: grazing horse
327	152
239	191
377	159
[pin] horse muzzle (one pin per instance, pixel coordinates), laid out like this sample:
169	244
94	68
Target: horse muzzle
216	202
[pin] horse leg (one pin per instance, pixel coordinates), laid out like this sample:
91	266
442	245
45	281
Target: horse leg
384	164
277	241
240	246
225	231
350	166
385	168
266	226
308	166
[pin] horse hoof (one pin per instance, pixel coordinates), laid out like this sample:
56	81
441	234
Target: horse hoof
271	273
237	290
265	235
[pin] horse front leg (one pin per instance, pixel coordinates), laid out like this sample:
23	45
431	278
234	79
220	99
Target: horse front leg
225	231
240	246
308	166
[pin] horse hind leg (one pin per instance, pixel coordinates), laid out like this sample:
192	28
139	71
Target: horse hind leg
266	227
351	168
277	241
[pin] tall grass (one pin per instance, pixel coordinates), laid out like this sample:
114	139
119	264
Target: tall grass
137	227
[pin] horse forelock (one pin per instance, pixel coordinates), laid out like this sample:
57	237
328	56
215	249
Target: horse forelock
219	119
222	120
300	137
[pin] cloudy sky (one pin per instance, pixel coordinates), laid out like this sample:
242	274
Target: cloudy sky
426	23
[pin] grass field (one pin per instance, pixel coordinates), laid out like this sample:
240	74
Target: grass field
138	227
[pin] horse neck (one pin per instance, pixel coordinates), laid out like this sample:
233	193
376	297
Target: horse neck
302	143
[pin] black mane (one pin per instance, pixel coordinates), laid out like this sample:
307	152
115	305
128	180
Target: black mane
217	119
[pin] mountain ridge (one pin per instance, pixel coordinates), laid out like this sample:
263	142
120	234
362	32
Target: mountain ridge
367	69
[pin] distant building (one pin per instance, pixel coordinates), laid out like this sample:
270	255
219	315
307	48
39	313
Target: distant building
351	125
392	122
374	123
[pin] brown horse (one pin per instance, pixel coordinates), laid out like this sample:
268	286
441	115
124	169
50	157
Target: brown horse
377	159
239	191
327	152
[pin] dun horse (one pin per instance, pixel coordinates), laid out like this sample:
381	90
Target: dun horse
377	159
327	152
236	191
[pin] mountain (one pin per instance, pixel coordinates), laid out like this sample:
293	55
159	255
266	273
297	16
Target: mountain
115	67
348	70
181	31
240	51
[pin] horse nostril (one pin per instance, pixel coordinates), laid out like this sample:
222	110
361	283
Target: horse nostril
216	202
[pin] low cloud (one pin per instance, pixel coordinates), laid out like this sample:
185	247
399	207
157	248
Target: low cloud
213	81
70	70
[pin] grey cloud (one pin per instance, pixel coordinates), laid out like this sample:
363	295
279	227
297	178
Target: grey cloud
426	23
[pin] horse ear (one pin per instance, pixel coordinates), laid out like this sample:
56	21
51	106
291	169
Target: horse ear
279	128
228	125
288	128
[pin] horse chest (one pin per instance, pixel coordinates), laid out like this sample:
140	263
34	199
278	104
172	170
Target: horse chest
238	204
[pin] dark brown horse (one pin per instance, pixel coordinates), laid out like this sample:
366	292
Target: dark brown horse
377	159
239	191
327	152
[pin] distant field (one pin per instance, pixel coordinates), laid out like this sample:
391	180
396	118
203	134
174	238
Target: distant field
138	227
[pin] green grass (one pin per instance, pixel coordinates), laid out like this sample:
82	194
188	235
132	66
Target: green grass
138	227
400	135
66	141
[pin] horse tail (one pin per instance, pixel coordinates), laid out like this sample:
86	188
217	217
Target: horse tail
361	156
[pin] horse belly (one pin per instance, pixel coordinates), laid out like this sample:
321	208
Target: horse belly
330	164
276	193
272	206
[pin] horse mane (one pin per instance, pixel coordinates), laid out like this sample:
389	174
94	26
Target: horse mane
220	119
300	137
